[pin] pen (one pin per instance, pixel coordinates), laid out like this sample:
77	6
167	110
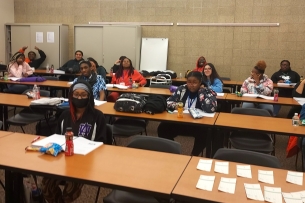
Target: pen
35	139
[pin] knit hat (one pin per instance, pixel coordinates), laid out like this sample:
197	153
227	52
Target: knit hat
81	86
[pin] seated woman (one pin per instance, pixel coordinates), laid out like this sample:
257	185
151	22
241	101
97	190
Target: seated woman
18	68
71	66
211	78
86	122
96	82
125	73
193	95
99	70
200	64
258	83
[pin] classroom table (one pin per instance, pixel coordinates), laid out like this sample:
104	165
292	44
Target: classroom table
275	85
186	190
42	71
281	100
143	171
47	83
259	123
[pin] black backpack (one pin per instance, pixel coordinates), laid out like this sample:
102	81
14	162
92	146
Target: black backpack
155	104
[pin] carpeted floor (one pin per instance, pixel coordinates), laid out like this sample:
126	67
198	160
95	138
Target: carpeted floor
89	192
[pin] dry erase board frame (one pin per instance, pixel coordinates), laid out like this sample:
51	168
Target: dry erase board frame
154	54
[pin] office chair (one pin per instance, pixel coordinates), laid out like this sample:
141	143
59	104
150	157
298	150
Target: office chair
251	140
27	116
149	143
247	157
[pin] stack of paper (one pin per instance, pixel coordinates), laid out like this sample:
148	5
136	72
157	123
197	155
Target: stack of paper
117	86
258	96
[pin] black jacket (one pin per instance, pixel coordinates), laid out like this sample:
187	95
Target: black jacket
37	62
290	75
71	66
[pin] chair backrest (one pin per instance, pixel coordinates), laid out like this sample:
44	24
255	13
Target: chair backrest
109	134
250	111
155	144
247	157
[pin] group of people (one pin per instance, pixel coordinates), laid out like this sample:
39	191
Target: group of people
200	91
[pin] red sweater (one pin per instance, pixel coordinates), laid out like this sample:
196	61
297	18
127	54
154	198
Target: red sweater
136	76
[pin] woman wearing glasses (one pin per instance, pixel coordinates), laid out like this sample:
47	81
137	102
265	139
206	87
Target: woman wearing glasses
211	78
86	122
96	82
258	83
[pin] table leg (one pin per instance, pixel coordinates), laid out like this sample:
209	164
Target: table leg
13	186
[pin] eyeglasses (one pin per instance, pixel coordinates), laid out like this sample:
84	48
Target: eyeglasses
82	96
207	68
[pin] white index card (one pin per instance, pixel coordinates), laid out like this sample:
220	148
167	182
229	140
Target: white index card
292	198
273	194
302	193
253	191
221	167
265	176
205	182
295	177
205	164
244	171
227	185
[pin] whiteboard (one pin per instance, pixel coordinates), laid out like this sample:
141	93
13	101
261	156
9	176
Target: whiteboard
154	54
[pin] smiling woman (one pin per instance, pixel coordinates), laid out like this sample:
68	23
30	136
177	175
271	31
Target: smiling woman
211	78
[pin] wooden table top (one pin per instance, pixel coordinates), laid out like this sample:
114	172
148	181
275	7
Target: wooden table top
275	85
260	123
17	100
44	72
150	172
5	133
186	190
281	100
108	109
48	83
150	90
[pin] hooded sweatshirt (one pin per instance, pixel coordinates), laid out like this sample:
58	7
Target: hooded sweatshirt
198	68
289	75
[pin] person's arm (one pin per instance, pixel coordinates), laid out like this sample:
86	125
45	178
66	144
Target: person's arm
22	50
39	61
101	87
298	89
101	131
173	100
113	79
244	87
265	88
140	79
64	67
207	99
274	78
28	69
217	85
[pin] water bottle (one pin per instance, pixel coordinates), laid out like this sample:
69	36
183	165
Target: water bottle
48	68
134	85
69	151
52	69
180	109
130	83
295	119
35	92
276	95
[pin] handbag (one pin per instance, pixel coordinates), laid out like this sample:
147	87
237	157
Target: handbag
33	79
131	103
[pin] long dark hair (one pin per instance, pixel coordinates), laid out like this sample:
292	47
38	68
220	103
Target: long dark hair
119	73
213	76
90	105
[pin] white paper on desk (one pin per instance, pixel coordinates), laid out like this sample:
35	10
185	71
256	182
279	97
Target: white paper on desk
265	176
210	115
117	86
273	194
302	193
286	84
14	78
250	95
205	182
59	71
55	138
98	102
253	191
205	164
220	94
84	146
295	177
258	96
227	185
221	167
244	171
300	100
292	198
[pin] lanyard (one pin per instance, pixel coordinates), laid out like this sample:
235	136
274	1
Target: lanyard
191	101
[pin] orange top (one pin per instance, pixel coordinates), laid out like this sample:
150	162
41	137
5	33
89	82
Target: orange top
26	58
136	76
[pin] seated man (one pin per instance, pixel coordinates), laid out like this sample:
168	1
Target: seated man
31	60
71	66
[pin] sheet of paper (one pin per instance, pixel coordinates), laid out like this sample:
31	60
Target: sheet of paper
13	78
227	185
253	191
39	37
221	167
186	111
300	100
265	176
50	37
302	193
244	171
55	138
83	146
117	86
205	164
295	177
286	84
265	97
59	71
292	198
273	194
250	95
220	94
98	102
205	182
